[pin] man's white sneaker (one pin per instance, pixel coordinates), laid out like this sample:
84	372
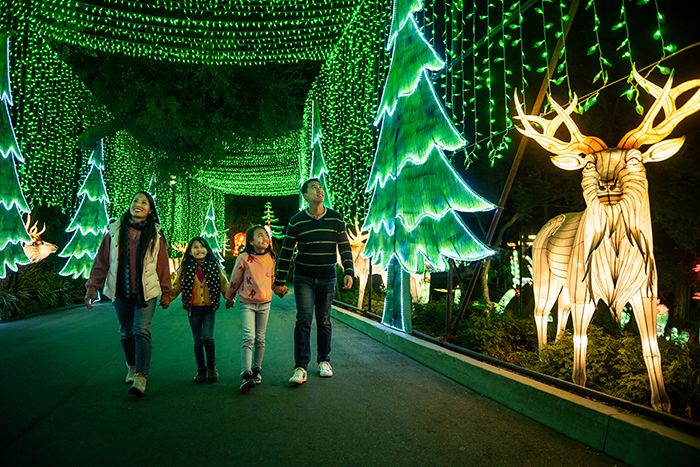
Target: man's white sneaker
325	370
139	386
130	374
299	376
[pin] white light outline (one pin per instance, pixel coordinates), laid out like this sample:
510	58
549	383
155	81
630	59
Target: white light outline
82	191
393	17
7	96
371	185
375	256
390	231
385	107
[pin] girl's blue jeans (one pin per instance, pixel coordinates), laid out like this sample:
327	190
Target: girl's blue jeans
313	296
135	331
202	324
254	323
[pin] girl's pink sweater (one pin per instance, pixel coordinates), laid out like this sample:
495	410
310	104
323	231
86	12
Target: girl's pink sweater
252	278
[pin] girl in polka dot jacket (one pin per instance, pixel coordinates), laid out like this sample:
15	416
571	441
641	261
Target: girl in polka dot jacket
201	279
252	280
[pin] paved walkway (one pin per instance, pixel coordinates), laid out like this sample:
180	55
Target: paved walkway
63	402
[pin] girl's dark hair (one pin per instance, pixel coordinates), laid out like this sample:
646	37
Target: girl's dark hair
188	253
148	236
249	248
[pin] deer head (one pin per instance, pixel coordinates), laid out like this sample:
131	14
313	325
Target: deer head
38	249
588	153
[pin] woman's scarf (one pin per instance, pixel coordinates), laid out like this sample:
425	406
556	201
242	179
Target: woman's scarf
124	271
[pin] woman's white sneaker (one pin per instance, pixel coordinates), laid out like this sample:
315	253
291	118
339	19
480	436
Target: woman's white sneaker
130	374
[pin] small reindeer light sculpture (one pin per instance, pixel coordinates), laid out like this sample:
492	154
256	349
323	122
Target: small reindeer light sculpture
38	249
606	252
238	243
357	244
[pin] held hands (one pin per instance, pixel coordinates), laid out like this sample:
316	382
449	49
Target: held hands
230	302
89	299
280	290
347	282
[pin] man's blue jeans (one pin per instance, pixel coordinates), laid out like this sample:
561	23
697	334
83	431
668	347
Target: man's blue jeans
135	331
313	296
202	324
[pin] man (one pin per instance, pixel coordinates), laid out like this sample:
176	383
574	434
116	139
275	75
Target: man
315	232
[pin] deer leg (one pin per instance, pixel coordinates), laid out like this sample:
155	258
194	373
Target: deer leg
645	315
563	311
546	293
582	314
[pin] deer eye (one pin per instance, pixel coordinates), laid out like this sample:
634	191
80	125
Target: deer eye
589	165
634	160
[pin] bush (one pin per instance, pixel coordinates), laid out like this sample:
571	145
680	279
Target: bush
502	336
614	360
40	288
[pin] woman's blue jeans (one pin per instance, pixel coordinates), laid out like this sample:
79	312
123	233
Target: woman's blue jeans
202	324
135	331
313	296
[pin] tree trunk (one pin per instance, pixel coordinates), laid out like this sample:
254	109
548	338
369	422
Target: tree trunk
89	138
398	304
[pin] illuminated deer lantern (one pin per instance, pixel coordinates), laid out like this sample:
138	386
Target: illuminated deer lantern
357	244
38	249
606	252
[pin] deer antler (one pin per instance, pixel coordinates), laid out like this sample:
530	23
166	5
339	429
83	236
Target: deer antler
646	132
33	231
579	144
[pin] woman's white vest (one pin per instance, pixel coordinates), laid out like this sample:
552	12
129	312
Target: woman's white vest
151	282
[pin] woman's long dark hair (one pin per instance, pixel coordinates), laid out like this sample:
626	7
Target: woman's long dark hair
149	234
249	248
188	253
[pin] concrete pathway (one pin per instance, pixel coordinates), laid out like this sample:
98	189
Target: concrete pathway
63	402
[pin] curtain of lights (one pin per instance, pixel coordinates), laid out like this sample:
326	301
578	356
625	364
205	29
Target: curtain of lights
492	47
347	93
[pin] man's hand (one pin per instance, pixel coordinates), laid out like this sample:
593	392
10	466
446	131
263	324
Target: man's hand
164	301
89	299
347	282
230	302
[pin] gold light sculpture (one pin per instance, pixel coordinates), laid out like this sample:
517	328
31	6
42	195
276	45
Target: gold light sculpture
357	244
38	249
606	252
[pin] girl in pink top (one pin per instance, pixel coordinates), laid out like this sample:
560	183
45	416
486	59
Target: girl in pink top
252	280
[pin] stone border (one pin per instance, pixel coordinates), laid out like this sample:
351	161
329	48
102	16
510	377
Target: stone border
630	438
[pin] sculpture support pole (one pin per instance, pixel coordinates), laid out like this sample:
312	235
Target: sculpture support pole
514	168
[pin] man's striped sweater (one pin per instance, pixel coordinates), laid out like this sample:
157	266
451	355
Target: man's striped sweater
315	240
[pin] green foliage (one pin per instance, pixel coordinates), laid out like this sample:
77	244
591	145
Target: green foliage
429	318
615	366
190	110
504	337
40	288
614	361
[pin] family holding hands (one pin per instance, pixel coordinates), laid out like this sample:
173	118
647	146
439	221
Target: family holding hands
132	267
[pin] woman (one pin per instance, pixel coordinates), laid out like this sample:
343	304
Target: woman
132	264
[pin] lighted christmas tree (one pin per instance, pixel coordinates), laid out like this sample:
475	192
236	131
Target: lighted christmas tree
12	230
416	192
318	164
269	219
209	233
89	224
